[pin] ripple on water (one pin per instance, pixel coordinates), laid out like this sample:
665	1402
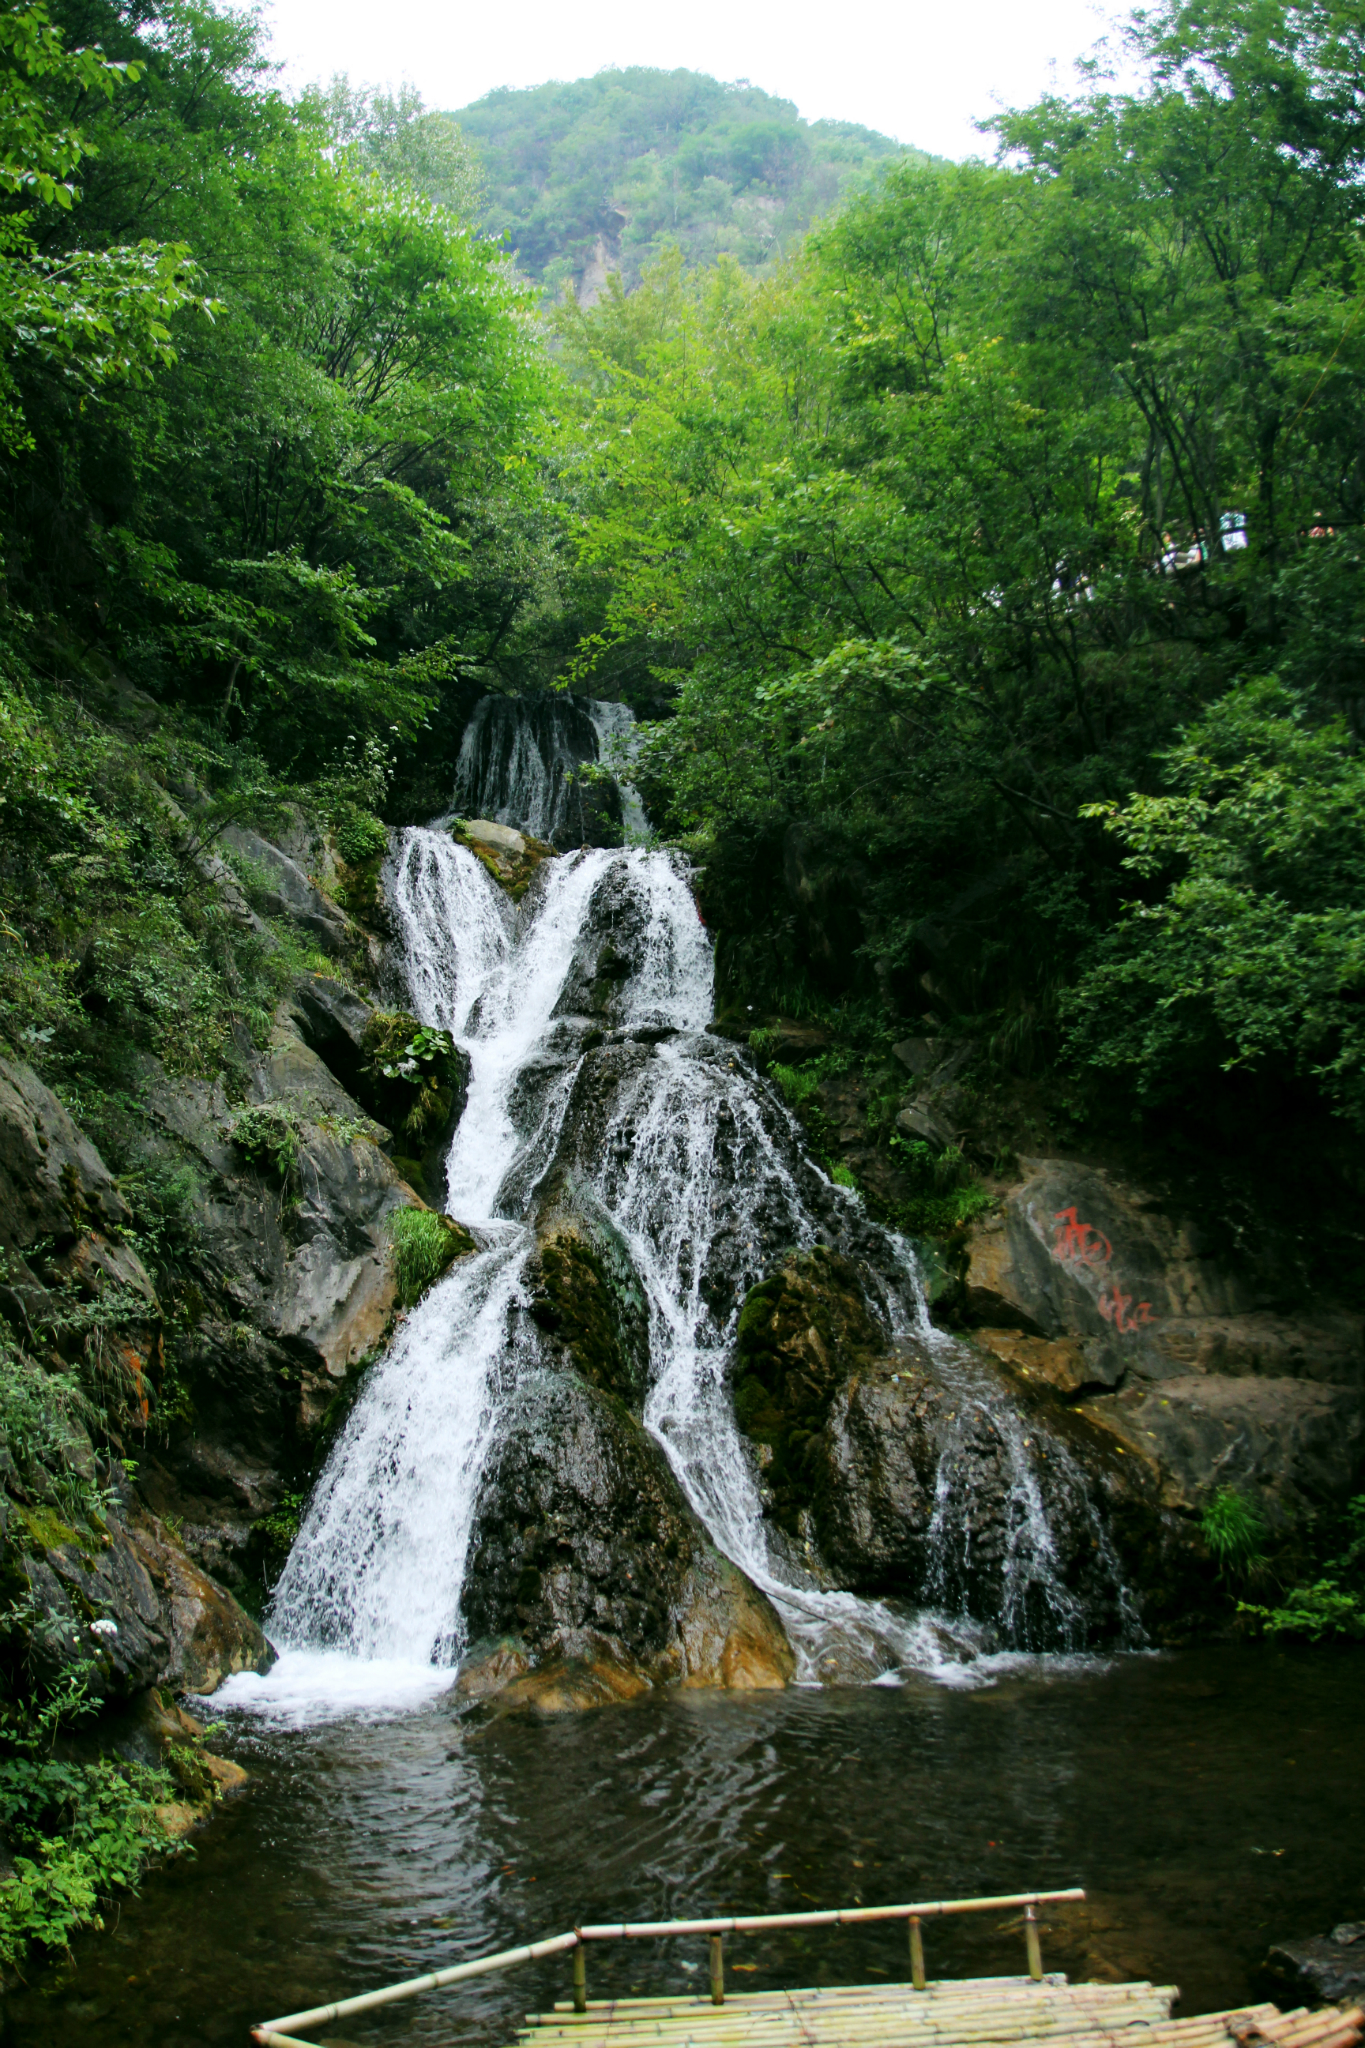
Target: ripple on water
1210	1801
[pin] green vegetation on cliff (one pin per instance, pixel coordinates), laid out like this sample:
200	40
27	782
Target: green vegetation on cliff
603	172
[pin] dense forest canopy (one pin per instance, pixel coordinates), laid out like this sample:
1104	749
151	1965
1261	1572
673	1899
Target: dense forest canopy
604	172
990	568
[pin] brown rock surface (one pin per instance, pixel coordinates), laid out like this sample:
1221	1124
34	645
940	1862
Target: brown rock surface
586	1558
1084	1281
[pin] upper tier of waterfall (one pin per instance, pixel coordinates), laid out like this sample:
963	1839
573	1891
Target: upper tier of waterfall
521	763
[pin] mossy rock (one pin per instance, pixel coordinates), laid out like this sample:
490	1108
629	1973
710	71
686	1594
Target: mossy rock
513	868
802	1332
587	1297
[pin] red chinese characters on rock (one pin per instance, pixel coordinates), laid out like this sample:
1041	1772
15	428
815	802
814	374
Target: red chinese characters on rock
1118	1309
1078	1244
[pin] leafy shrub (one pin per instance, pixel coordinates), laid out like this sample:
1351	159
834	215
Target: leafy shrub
268	1137
945	1194
843	1176
424	1245
359	835
1254	952
78	1830
1330	1605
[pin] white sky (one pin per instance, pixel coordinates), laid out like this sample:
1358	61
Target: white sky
920	70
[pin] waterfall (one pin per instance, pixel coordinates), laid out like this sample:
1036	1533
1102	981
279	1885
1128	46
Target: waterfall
617	742
520	763
702	1173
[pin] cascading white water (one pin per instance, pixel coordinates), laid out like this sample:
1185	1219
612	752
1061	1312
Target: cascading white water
519	764
618	746
697	1165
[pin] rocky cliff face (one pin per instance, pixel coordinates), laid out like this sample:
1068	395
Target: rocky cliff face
1083	1284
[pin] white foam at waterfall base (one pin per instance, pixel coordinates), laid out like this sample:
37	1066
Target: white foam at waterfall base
696	1160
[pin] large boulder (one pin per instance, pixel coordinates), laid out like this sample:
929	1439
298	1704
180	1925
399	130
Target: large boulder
1087	1283
284	889
905	1469
1325	1969
590	1577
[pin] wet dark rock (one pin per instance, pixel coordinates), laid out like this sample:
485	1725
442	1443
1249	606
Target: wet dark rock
588	1300
855	1435
588	1568
609	952
801	1333
1327	1970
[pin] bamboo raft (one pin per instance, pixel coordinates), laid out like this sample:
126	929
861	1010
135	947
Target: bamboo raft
980	2012
972	2012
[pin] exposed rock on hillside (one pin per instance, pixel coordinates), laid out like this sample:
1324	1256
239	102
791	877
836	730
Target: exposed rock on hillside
1083	1281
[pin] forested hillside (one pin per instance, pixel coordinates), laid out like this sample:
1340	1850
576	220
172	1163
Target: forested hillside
602	172
987	573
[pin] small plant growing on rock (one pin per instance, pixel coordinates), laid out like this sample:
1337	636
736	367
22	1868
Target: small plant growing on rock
421	1066
1234	1530
267	1136
424	1245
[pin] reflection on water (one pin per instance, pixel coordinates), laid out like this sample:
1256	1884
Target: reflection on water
1211	1802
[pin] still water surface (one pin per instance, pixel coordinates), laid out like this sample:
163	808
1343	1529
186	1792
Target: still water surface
1209	1801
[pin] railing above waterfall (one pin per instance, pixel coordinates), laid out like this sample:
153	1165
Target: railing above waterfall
276	2034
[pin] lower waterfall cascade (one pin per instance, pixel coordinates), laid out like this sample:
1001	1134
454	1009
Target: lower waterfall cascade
700	1172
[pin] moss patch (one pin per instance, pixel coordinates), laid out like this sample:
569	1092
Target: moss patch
44	1531
583	1303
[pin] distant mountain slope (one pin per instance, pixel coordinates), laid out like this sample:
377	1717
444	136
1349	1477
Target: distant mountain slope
597	174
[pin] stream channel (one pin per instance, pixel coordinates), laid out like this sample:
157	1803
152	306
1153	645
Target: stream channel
1011	1733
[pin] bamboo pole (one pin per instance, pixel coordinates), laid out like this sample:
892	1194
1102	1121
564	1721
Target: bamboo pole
917	1977
580	1979
717	1970
1032	1944
842	1916
391	1994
